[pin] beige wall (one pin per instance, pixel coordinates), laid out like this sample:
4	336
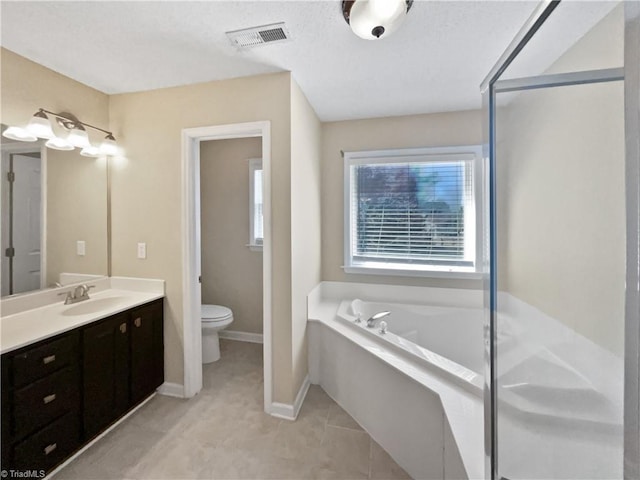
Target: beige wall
76	185
77	210
231	272
432	130
561	195
305	223
146	198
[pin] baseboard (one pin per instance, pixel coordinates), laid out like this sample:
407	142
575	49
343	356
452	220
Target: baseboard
281	410
171	390
288	411
241	336
302	394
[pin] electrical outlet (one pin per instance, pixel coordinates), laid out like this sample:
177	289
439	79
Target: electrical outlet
142	250
81	248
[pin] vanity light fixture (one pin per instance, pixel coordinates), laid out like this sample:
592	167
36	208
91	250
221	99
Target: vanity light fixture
78	137
375	19
91	151
40	127
20	134
58	143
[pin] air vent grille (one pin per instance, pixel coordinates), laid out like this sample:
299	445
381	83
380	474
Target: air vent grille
251	37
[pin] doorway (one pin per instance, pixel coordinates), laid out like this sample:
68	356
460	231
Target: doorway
192	139
23	219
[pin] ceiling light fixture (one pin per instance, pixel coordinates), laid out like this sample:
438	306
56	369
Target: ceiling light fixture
40	127
375	19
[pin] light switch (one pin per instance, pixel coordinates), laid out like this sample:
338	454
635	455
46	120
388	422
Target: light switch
81	247
142	250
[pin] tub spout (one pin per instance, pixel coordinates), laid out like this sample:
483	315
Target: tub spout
371	322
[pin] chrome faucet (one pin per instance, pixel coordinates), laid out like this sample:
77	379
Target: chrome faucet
78	294
371	321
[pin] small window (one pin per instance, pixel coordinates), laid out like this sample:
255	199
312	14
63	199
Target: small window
412	212
256	234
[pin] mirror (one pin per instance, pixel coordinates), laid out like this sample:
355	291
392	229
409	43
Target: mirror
54	217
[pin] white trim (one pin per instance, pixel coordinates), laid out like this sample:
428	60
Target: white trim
281	410
302	394
169	389
192	333
402	271
254	165
241	336
96	439
423	154
32	147
287	411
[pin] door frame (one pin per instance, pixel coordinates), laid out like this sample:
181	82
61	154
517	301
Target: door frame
10	148
192	331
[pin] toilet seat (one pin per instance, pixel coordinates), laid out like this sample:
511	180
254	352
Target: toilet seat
215	313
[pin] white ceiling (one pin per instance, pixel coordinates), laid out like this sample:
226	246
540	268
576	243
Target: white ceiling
433	63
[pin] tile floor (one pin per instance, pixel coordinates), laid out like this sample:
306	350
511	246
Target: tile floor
223	433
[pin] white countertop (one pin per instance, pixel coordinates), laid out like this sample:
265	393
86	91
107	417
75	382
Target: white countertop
33	325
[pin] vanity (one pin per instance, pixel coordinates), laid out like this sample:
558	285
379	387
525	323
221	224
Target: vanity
70	371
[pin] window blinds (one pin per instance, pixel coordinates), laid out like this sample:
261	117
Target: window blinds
412	212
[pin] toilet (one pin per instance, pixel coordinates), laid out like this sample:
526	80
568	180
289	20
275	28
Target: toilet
214	319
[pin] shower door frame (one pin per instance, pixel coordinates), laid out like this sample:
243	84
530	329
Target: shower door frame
491	86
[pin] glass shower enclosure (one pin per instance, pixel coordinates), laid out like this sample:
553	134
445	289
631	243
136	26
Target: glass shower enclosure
561	396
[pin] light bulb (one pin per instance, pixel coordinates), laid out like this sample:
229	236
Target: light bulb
58	143
90	151
40	126
78	138
20	134
109	146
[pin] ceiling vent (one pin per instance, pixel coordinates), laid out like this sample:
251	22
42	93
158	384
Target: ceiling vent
251	37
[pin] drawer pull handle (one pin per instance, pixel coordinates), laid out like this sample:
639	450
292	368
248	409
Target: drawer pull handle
49	398
123	328
49	359
138	321
50	448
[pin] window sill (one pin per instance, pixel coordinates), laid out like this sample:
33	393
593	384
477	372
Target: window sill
404	271
254	247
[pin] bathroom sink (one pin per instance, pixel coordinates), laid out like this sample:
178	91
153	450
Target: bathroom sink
94	306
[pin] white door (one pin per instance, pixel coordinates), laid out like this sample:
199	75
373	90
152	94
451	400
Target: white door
26	205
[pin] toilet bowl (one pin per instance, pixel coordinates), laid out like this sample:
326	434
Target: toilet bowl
214	318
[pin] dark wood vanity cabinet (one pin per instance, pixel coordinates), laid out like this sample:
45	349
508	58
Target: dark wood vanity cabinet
60	393
105	366
147	351
41	400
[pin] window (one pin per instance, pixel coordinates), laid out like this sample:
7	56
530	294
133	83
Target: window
256	234
412	212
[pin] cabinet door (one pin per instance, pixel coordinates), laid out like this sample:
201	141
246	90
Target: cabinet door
106	373
147	351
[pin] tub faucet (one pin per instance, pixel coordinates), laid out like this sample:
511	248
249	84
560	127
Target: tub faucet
371	321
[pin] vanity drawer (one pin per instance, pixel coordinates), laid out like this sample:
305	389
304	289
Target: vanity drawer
50	446
44	400
39	361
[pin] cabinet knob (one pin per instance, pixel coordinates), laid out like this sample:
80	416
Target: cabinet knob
49	398
138	322
50	448
123	327
49	359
